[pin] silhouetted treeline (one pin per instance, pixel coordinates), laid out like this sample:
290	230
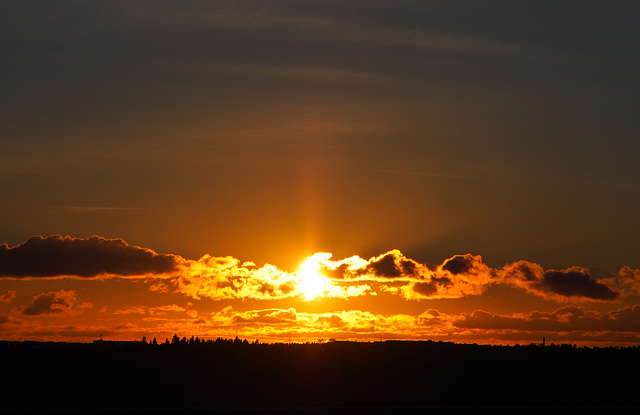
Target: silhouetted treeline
192	373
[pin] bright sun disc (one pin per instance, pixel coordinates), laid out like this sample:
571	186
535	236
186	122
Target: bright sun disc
312	284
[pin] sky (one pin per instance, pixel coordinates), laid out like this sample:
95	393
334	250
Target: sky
302	170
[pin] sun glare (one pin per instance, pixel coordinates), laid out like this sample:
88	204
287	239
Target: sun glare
312	284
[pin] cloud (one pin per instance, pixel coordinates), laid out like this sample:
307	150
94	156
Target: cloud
573	283
132	309
393	264
55	256
458	276
93	209
465	275
564	319
290	323
330	24
59	302
626	281
459	264
331	320
274	316
570	323
393	272
143	310
8	297
224	278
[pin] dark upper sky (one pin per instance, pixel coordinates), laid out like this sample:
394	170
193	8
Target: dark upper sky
271	130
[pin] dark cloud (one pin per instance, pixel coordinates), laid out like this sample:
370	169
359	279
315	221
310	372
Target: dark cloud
577	283
55	256
51	303
430	289
384	266
393	264
409	267
426	289
463	275
466	267
458	264
571	283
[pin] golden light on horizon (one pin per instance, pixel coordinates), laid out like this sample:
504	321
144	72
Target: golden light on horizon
311	283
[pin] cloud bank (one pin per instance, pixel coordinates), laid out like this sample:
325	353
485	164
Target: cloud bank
465	275
225	278
57	256
572	323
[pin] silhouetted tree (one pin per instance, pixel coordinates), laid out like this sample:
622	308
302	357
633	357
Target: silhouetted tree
175	339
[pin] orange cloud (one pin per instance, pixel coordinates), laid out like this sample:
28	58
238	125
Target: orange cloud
392	265
285	323
223	278
572	323
458	276
626	281
8	297
60	302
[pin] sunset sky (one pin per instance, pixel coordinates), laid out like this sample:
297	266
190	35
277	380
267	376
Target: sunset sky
302	170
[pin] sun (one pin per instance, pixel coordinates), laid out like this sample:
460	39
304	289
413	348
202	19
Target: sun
311	284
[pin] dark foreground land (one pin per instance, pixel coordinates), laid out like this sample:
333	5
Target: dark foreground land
340	377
